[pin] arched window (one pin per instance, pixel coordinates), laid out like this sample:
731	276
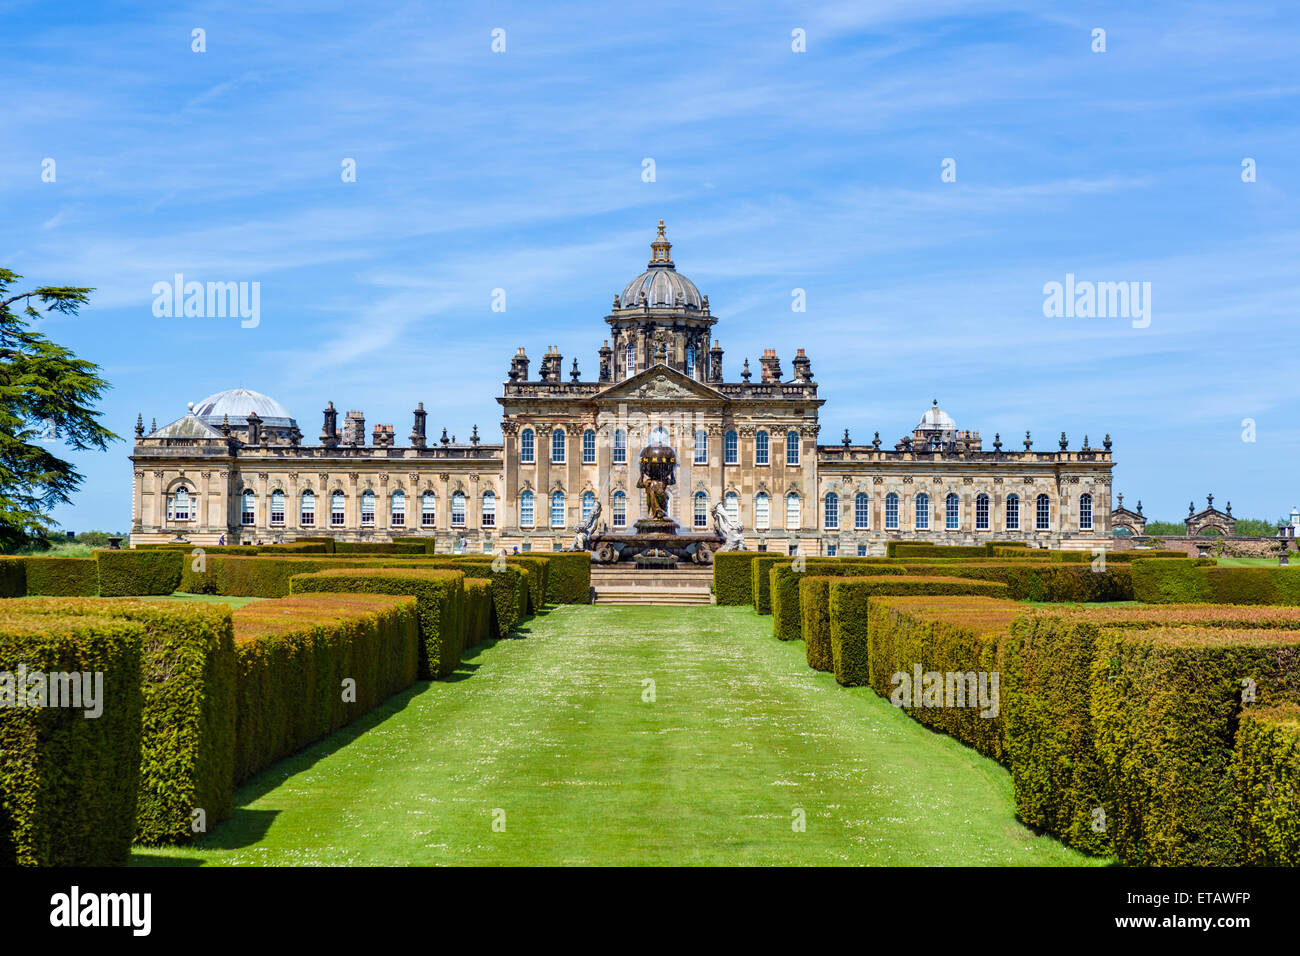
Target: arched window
631	359
367	509
397	515
1013	512
861	511
458	509
277	508
690	360
488	512
589	447
730	448
527	451
792	447
700	510
891	510
557	509
307	510
731	505
793	513
336	509
588	505
247	512
762	515
923	512
178	505
620	447
981	512
526	518
832	510
1043	513
557	446
1085	512
952	513
428	510
620	510
760	448
701	447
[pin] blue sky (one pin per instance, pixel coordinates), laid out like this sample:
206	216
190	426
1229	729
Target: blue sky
775	170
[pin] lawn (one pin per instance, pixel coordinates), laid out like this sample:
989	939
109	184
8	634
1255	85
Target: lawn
554	738
234	602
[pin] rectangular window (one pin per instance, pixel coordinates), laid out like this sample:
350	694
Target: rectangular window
620	511
526	446
458	510
792	448
922	513
620	447
526	511
336	513
760	448
982	513
891	512
701	448
489	514
861	512
277	512
862	551
557	511
792	550
1085	513
1044	513
952	514
1013	513
589	447
832	512
761	513
831	550
367	511
308	517
731	449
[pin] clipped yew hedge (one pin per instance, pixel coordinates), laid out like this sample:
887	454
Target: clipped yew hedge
69	784
67	577
13	577
783	586
480	611
1182	582
136	572
187	673
733	579
568	577
1266	781
310	664
376	547
1166	705
440	601
888	643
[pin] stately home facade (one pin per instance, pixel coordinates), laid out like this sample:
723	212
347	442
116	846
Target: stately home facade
236	466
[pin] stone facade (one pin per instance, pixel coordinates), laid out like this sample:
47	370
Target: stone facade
236	467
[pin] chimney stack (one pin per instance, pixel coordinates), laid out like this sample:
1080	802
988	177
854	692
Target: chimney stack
715	363
383	436
329	435
519	366
771	367
417	430
802	367
354	428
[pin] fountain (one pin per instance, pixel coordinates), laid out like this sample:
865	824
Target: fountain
656	540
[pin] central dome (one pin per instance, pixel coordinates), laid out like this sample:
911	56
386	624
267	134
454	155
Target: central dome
663	286
238	404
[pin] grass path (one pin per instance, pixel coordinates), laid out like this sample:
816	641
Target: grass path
553	731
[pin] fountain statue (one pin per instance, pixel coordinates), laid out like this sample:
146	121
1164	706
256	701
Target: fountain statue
655	538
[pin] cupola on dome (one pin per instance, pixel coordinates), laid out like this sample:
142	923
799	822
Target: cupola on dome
237	404
663	286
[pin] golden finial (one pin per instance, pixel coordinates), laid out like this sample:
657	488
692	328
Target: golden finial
661	228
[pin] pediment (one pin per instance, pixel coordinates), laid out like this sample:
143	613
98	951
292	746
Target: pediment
660	383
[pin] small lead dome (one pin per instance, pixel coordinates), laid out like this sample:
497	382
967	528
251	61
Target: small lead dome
238	404
663	285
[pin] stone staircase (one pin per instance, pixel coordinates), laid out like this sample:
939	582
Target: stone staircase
684	586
